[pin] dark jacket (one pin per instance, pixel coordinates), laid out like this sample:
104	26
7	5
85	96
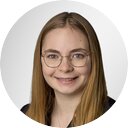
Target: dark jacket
108	105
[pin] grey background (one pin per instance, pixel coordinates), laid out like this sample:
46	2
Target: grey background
18	49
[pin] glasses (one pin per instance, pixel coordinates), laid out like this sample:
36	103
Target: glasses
77	59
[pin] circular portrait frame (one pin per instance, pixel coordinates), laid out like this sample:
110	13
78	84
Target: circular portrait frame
18	49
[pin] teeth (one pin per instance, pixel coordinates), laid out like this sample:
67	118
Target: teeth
66	79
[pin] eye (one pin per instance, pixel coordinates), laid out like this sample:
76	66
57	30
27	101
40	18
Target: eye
52	56
78	56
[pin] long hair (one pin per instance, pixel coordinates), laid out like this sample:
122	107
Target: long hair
94	96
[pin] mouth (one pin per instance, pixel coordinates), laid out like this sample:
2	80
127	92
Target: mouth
68	80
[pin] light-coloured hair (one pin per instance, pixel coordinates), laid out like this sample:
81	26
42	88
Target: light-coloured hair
94	96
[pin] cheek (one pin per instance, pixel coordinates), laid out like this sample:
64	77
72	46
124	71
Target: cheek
85	71
47	71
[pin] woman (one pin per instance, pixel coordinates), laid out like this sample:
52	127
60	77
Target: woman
68	83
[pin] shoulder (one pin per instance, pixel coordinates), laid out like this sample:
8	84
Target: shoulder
24	108
109	103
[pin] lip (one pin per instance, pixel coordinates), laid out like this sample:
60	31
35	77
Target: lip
66	80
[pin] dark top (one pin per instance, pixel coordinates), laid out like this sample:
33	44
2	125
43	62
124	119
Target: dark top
108	105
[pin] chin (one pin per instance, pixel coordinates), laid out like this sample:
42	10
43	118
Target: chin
69	91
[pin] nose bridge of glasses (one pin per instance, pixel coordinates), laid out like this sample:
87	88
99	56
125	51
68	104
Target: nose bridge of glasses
65	59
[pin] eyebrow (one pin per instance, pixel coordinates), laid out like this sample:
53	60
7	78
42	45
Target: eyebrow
79	49
74	50
52	50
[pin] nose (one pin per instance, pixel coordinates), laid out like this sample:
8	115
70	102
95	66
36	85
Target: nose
65	66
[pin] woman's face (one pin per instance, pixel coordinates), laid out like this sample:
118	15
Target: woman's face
66	79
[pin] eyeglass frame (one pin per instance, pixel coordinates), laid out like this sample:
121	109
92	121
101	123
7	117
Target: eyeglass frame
61	59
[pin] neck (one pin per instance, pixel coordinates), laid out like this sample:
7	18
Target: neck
64	108
66	103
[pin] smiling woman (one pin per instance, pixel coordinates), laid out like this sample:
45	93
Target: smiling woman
68	83
70	74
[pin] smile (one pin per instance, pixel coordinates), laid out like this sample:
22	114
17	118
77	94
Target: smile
66	80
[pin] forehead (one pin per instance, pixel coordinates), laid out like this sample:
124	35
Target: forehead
65	39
